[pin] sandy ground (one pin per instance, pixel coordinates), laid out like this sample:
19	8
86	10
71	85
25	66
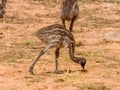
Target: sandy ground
19	47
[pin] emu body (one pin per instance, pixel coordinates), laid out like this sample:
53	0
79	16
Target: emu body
3	8
69	12
56	36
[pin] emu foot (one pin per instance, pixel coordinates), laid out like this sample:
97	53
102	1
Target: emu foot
57	72
31	70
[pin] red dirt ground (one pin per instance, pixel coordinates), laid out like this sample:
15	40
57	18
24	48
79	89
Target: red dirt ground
19	47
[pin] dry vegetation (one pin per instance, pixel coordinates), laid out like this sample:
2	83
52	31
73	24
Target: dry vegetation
19	47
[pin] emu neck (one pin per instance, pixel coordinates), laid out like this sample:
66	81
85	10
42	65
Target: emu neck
71	53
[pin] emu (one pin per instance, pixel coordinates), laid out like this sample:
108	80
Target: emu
69	12
3	8
57	36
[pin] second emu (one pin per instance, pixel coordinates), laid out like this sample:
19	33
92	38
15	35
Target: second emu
3	8
69	12
56	36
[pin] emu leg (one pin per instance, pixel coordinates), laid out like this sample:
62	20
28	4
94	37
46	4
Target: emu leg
56	60
63	22
71	25
41	53
4	3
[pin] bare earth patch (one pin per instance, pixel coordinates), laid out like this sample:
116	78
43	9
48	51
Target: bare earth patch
19	47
